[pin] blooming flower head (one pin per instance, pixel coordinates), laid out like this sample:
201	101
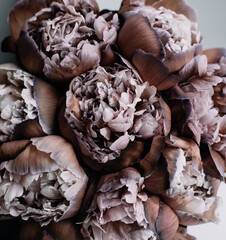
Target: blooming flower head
109	109
175	27
23	106
121	210
40	180
64	39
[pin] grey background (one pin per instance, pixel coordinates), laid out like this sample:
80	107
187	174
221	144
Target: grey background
212	24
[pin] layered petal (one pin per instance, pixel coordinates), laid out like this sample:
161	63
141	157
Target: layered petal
110	109
65	39
28	105
44	181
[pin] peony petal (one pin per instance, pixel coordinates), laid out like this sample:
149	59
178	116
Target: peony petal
167	222
46	97
180	106
32	60
178	6
214	164
23	10
196	67
152	70
10	150
214	54
28	129
31	160
108	54
177	61
158	182
137	33
167	116
149	162
63	153
152	207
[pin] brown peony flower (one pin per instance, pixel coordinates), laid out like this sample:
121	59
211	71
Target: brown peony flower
64	39
26	108
201	77
173	21
175	171
165	29
42	179
111	112
121	210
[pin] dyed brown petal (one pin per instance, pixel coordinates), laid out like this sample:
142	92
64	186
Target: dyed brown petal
10	150
46	97
196	67
149	162
152	70
177	61
137	33
180	106
28	129
189	146
108	55
158	182
30	160
167	222
29	54
151	207
23	10
187	219
178	6
213	163
214	54
167	116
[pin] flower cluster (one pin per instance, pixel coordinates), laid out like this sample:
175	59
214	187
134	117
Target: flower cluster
112	124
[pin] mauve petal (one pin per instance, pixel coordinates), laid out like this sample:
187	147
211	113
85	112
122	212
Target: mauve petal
28	129
180	107
147	63
139	36
178	60
10	150
167	222
196	67
30	160
46	97
29	54
64	230
108	54
23	10
64	155
214	54
149	162
158	181
214	164
178	6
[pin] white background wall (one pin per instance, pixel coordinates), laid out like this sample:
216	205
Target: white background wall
212	24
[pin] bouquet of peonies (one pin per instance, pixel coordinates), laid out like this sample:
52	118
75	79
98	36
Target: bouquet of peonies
113	124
